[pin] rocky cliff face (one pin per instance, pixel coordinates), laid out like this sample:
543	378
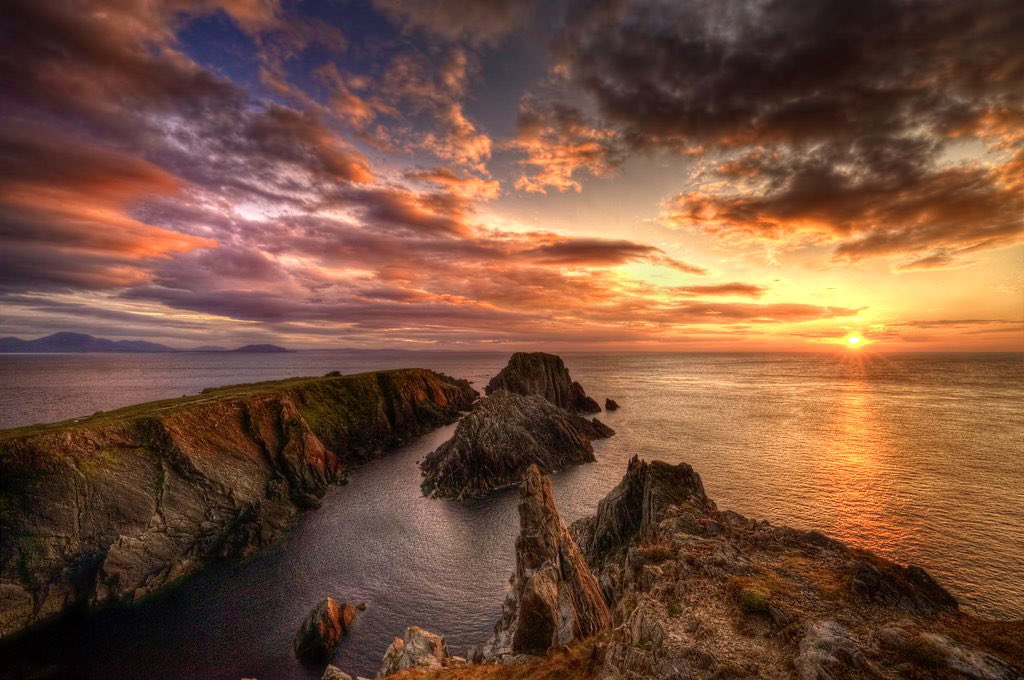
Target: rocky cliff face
504	435
697	592
114	506
545	375
554	598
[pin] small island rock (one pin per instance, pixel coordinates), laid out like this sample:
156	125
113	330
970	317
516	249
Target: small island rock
504	434
323	629
611	405
545	375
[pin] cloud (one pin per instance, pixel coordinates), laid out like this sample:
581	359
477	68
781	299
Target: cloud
738	289
841	121
470	20
602	252
66	218
559	145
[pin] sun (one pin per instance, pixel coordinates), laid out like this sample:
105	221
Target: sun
854	340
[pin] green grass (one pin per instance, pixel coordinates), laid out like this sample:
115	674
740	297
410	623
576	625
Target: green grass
309	386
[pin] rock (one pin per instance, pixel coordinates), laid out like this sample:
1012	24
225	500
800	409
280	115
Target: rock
909	588
639	501
959	658
542	374
611	405
554	598
418	649
335	673
501	438
828	651
323	628
112	507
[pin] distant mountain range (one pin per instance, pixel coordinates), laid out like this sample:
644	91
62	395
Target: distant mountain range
79	343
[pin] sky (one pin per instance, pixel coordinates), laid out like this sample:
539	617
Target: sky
512	174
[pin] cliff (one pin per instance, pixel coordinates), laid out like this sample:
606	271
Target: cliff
695	592
554	598
114	506
501	438
544	375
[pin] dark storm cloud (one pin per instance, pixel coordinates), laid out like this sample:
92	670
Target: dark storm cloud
839	118
472	20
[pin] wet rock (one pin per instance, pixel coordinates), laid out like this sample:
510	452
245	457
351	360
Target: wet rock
418	649
335	673
909	588
638	503
554	598
611	405
504	435
545	375
323	628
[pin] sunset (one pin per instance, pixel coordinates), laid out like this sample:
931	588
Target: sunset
517	339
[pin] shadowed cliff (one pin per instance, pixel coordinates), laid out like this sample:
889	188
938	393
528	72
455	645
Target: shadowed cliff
111	507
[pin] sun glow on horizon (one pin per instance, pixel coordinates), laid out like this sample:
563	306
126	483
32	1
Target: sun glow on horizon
854	341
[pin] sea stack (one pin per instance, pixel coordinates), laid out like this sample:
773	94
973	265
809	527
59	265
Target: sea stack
555	598
546	375
323	628
501	438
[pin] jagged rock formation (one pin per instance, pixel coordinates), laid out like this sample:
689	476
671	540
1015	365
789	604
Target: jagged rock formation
554	598
419	649
114	506
323	628
633	508
611	405
698	592
545	375
501	438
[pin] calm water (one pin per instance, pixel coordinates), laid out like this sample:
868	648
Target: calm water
918	457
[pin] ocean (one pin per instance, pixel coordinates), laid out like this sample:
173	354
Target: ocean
919	457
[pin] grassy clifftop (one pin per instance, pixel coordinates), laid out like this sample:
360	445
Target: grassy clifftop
113	506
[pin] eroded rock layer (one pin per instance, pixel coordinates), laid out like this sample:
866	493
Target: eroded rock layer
544	375
114	506
554	598
501	438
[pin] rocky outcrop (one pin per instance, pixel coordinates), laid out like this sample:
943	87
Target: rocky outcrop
637	504
323	628
501	438
910	588
611	405
544	375
554	598
335	673
419	649
700	593
111	507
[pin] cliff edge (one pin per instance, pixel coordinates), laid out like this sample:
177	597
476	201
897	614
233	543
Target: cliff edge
112	507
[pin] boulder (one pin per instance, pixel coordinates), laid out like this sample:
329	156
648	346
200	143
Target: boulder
611	405
501	438
418	649
323	628
335	673
544	375
554	599
828	651
909	588
639	501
